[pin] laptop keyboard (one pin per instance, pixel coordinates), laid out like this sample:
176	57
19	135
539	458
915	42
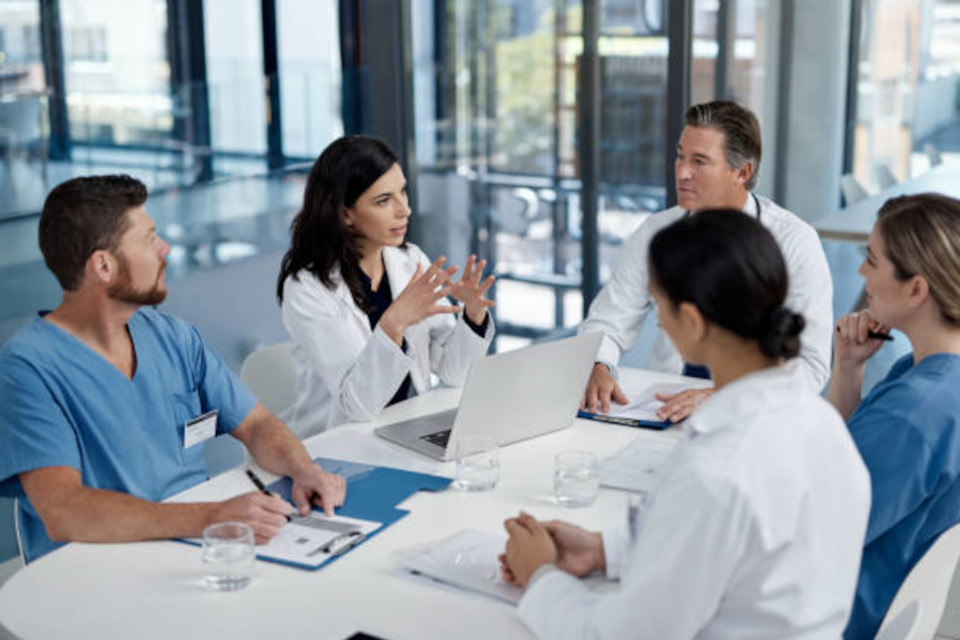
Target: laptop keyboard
439	438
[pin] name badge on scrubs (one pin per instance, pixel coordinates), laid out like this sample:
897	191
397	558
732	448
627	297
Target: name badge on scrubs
201	428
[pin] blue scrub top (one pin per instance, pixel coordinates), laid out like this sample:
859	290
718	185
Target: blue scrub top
908	432
62	404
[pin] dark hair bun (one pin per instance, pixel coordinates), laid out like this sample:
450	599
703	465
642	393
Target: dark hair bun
781	336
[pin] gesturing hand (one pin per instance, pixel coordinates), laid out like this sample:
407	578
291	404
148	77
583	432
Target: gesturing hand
419	299
471	288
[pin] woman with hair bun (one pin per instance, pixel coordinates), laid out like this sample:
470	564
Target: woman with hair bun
754	528
908	427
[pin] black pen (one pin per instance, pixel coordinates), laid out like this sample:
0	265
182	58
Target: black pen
262	488
876	335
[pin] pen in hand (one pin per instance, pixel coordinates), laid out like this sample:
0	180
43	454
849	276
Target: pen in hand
262	488
876	335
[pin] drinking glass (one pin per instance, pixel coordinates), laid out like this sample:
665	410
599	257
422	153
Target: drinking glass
478	463
575	478
228	555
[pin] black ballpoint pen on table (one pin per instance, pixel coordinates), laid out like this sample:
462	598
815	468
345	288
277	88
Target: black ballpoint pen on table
262	488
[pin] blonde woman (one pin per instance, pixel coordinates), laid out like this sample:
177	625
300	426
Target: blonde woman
908	428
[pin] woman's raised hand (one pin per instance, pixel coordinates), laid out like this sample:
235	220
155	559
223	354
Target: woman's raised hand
471	289
852	345
420	299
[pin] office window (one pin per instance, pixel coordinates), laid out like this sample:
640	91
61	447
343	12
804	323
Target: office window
87	44
234	44
20	59
116	71
502	102
308	35
907	86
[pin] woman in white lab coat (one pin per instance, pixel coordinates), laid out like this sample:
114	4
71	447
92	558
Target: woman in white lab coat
755	526
368	312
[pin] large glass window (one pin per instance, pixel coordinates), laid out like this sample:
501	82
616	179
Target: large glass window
310	75
503	102
21	62
234	45
907	84
116	71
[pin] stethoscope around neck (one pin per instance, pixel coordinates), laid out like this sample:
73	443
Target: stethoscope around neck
756	201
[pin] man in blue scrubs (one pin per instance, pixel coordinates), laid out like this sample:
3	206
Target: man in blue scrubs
105	402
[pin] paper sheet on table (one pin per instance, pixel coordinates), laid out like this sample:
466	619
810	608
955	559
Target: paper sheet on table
347	444
636	466
643	403
467	559
304	540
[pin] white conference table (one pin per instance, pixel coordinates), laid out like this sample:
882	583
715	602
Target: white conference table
154	589
854	223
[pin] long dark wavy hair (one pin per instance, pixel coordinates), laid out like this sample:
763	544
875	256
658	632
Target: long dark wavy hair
319	238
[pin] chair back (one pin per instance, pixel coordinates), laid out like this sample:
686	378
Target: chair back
16	529
915	612
269	374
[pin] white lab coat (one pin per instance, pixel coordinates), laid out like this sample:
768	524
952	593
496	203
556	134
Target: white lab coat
754	530
621	307
347	372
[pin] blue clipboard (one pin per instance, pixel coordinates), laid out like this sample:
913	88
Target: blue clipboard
373	493
626	422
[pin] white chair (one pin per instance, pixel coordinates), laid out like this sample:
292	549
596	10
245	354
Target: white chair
268	372
916	610
933	154
852	190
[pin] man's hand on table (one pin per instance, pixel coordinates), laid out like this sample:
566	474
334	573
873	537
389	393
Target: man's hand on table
601	388
314	486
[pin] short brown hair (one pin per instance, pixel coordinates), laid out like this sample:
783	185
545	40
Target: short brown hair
84	215
741	133
922	238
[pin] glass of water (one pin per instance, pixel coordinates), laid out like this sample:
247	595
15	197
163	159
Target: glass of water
576	478
228	556
478	463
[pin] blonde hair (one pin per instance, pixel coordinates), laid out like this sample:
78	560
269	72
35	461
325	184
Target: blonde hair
922	237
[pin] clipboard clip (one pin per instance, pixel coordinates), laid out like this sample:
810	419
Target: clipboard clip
341	544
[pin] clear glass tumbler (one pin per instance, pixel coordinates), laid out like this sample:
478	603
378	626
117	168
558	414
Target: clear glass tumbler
228	556
576	478
478	463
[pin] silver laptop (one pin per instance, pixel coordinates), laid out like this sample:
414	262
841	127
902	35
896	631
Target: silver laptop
509	397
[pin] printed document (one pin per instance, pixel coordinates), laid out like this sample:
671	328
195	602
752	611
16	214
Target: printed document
313	539
636	466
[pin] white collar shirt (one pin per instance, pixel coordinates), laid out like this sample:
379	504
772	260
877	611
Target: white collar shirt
621	308
754	530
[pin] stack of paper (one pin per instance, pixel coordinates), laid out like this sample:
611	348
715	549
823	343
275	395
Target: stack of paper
636	466
467	559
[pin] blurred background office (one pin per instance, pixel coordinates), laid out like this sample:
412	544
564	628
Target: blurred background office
536	133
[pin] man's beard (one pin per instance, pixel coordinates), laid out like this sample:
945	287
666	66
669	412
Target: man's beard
123	290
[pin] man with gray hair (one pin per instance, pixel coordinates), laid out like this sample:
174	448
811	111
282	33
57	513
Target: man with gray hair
718	161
